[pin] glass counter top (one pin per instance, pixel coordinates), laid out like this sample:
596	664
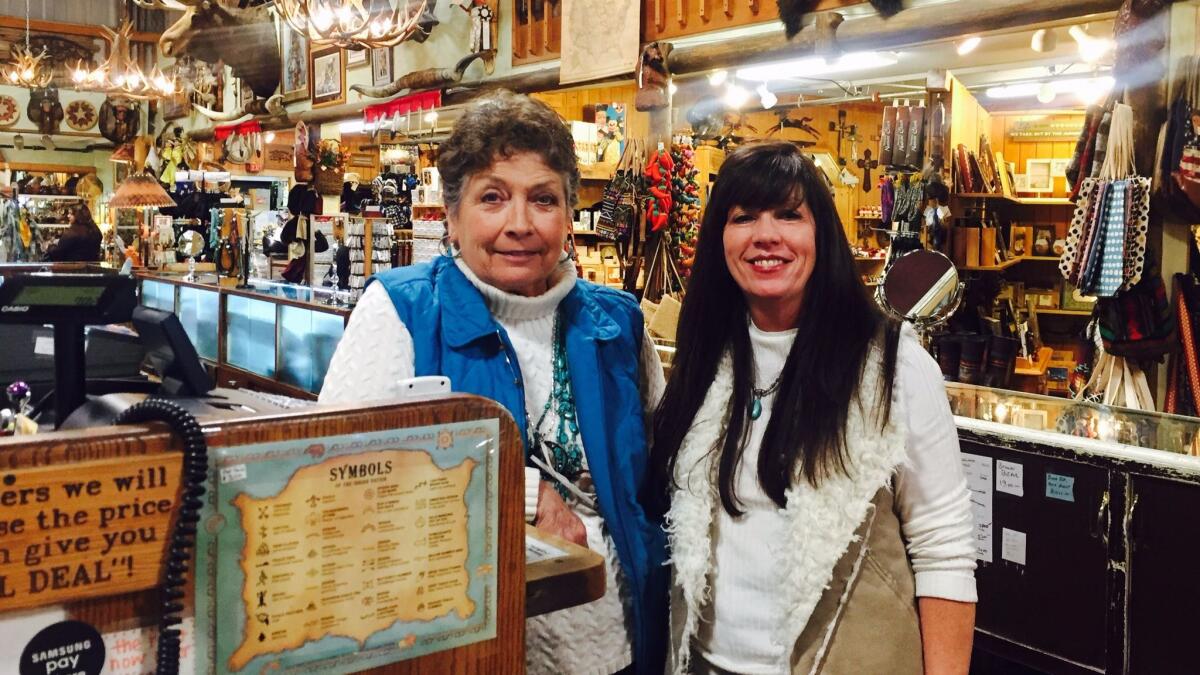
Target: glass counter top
328	299
1081	419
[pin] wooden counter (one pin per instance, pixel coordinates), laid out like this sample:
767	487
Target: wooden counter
574	578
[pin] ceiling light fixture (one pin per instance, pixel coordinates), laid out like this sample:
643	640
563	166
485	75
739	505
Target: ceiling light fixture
717	77
1046	93
1092	49
766	97
352	24
26	68
736	96
968	45
1044	40
120	73
816	66
1087	89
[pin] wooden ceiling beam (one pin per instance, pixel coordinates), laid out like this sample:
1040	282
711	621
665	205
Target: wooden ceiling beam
55	27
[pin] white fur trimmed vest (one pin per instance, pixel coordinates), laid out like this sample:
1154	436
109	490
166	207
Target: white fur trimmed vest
849	595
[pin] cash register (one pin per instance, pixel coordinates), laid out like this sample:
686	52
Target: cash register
70	302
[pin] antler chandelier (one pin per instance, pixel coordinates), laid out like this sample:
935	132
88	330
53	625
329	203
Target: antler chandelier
352	24
26	68
120	73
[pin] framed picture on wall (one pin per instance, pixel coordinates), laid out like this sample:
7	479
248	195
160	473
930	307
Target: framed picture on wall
294	55
610	123
1058	167
381	66
1040	176
356	57
328	76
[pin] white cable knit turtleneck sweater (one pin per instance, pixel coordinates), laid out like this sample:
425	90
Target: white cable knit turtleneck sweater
376	353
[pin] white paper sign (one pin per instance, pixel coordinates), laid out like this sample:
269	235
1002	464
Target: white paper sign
1010	478
131	652
978	471
537	550
1012	545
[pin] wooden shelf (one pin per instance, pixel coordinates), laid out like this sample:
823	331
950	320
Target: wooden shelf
597	171
1036	366
586	233
1064	312
1040	258
428	206
50	198
1024	201
992	268
981	195
1044	201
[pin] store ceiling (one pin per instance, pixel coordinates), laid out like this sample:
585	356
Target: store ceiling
999	59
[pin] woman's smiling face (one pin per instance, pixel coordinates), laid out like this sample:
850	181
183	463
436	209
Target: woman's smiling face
511	223
770	255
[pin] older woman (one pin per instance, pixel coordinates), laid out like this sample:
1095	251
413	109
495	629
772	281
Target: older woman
503	316
804	453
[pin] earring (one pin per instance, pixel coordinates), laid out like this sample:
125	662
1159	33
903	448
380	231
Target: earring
449	248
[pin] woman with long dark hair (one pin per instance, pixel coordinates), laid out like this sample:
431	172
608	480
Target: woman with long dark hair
804	455
80	242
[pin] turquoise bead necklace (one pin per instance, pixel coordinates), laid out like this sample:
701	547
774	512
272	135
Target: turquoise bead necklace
759	395
566	453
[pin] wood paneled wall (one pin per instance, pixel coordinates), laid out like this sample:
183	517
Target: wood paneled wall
676	18
570	105
968	119
1020	151
869	119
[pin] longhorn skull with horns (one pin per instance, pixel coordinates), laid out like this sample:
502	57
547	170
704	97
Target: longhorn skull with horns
241	33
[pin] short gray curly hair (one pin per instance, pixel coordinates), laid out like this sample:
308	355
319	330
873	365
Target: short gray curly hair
500	125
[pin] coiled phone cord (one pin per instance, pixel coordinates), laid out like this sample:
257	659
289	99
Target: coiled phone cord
183	536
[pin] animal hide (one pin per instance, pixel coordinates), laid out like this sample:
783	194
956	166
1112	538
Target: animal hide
791	12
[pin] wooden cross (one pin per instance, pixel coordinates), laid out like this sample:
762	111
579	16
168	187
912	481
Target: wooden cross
866	164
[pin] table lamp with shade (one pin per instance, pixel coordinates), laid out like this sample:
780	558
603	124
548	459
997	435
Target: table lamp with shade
141	191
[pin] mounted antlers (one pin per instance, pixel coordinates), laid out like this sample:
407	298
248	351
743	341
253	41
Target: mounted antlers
430	78
259	106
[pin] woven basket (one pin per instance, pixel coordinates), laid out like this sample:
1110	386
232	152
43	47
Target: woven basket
328	181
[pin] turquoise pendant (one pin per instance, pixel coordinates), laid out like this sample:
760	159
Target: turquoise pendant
756	408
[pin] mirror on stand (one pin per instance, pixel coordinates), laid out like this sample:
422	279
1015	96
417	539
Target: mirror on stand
189	245
921	287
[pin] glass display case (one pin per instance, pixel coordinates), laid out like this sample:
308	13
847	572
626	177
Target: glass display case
269	333
1149	430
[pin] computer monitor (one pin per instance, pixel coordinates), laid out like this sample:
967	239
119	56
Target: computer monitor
170	354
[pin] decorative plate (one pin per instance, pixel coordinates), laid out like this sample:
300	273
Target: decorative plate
81	115
9	112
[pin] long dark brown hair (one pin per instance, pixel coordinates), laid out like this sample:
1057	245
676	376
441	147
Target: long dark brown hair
83	219
837	324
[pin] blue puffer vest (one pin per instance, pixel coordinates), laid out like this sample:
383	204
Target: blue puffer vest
455	335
